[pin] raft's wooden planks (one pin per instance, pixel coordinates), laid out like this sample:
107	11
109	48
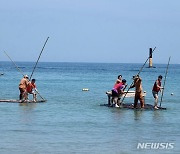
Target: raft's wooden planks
19	101
129	94
130	106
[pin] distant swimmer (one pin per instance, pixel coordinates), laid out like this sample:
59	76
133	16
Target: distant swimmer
23	88
156	88
31	89
138	91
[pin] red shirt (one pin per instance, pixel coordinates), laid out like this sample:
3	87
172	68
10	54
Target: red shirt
156	86
117	87
30	87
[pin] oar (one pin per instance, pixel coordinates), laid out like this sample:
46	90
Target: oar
14	63
38	58
165	80
20	71
39	94
137	74
145	62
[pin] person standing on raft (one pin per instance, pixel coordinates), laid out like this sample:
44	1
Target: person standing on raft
156	88
23	88
117	91
119	79
138	91
31	88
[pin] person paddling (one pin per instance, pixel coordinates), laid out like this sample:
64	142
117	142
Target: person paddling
156	88
31	88
23	88
138	91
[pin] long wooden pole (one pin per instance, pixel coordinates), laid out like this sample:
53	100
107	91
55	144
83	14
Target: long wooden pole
137	74
145	62
20	71
38	58
14	63
39	94
165	80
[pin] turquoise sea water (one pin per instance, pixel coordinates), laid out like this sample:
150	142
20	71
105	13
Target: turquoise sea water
72	120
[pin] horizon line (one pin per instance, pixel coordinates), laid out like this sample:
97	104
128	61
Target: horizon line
87	62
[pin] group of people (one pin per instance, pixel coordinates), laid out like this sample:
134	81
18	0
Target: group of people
118	91
27	87
120	86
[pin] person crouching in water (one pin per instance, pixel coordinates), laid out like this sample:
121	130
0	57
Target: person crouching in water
23	88
156	88
31	88
138	91
117	91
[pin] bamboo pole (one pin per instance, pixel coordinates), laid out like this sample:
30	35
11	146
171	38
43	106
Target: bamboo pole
38	58
165	80
137	74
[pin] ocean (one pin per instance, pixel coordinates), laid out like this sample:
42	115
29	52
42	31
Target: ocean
73	121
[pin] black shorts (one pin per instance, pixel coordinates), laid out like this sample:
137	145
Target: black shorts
114	94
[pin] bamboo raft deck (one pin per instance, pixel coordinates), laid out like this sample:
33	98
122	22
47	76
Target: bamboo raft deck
131	106
129	94
20	101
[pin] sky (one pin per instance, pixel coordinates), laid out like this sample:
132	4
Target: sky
107	31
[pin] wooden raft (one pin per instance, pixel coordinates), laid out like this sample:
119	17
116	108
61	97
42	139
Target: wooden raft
20	101
131	106
129	94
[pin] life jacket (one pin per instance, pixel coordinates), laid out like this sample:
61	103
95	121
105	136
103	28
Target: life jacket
30	87
155	87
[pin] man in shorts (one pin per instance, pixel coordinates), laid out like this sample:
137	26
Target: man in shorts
156	88
138	91
23	88
31	88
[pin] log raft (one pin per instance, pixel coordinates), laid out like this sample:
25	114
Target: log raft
20	101
130	105
129	94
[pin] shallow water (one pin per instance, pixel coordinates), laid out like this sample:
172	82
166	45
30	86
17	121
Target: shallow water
72	120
